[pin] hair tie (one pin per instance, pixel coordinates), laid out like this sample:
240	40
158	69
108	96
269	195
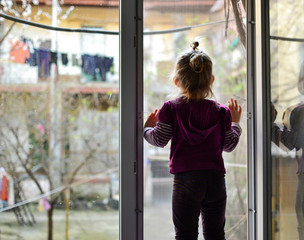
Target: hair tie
194	45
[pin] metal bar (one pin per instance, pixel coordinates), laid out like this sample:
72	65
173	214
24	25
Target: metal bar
128	120
251	79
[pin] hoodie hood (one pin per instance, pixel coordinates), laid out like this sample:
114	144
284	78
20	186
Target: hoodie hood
193	134
198	125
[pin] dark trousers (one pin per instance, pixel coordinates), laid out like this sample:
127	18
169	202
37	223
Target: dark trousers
198	193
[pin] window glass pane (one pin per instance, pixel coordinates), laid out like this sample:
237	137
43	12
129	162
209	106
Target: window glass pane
59	129
170	27
287	78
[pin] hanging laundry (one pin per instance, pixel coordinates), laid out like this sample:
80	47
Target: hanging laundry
88	64
43	204
93	64
64	59
19	52
4	186
103	64
53	57
75	60
47	205
98	65
107	63
33	59
44	63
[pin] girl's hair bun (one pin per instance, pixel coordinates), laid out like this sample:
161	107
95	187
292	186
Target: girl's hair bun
197	62
194	45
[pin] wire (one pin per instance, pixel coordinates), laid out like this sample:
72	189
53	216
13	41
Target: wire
49	193
85	30
33	199
82	30
186	28
287	39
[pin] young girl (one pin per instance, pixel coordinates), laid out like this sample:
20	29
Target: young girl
199	130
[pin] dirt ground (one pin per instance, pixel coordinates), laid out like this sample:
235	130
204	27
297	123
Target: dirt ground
84	225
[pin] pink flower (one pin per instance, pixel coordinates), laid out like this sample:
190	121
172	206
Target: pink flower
41	128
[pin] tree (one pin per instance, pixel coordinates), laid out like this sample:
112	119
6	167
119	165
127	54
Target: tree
24	134
12	7
238	7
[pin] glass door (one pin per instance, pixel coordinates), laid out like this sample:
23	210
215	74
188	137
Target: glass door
169	29
59	130
286	48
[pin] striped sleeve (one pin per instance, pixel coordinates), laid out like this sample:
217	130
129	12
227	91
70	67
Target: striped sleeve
158	136
232	137
284	136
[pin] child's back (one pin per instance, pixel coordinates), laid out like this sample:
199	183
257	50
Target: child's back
199	127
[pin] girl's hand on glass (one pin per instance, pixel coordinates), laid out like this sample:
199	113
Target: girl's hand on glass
152	119
236	110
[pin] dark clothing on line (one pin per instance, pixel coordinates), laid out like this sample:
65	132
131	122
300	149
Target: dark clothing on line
88	64
44	63
64	59
54	57
93	64
33	59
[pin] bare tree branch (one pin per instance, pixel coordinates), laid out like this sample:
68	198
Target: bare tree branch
7	33
227	13
241	28
23	163
14	23
87	158
244	4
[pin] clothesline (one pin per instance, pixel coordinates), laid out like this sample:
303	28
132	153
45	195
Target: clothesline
86	30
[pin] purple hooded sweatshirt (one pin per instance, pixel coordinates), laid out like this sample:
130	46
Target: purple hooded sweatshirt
198	132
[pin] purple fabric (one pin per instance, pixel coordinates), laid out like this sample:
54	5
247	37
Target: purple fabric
44	63
196	143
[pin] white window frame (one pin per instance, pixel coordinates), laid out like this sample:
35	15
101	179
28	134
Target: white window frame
259	166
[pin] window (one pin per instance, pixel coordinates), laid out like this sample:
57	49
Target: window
286	94
169	30
59	94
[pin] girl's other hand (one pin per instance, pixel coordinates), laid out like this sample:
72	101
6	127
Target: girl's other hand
236	110
152	119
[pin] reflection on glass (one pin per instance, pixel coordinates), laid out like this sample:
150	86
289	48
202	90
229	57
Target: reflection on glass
288	135
59	138
229	67
287	69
